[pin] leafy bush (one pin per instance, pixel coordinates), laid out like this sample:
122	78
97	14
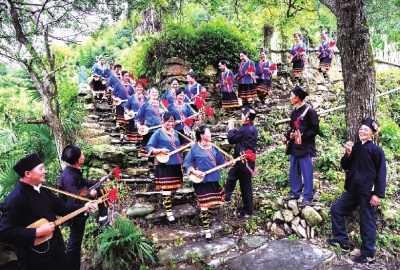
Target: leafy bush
123	246
200	47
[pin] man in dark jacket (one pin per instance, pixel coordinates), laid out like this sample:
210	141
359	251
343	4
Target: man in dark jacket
300	141
365	184
72	181
28	203
245	138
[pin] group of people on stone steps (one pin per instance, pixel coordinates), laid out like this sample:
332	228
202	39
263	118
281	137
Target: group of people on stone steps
31	201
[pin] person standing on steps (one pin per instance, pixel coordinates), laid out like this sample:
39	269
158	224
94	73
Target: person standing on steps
264	75
168	176
297	56
27	204
325	54
229	99
300	143
170	94
181	111
245	138
365	183
245	78
193	90
150	115
131	109
120	94
72	181
202	157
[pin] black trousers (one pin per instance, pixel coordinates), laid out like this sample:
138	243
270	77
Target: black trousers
246	188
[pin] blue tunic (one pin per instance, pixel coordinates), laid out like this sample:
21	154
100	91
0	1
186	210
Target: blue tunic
134	103
167	95
227	87
263	71
122	92
242	68
181	113
296	48
199	159
147	114
322	48
101	71
112	81
161	140
191	92
107	73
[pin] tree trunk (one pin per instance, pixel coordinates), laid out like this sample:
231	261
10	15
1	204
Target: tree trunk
357	62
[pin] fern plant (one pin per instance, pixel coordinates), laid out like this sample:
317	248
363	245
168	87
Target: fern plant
124	244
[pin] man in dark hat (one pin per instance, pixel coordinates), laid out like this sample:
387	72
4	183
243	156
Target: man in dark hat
28	203
245	139
72	181
300	141
365	184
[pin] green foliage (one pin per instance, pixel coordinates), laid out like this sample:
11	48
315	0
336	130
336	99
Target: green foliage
123	245
276	163
200	47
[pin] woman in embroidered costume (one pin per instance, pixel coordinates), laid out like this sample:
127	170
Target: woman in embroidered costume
170	95
264	73
121	93
325	54
131	109
168	177
181	111
150	114
245	78
193	90
202	157
297	56
229	98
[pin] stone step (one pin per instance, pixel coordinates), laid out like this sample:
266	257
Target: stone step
136	180
195	250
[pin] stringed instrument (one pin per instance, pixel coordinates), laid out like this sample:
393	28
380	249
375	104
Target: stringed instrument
197	180
331	44
297	53
41	239
143	130
118	101
183	120
128	116
249	70
85	191
163	158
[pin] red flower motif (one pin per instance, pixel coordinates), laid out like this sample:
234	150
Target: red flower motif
131	76
188	121
297	122
209	111
165	103
203	94
332	43
250	155
144	82
229	80
250	69
112	195
116	172
199	102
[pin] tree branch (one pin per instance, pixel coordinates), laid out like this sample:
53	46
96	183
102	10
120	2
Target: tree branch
35	121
